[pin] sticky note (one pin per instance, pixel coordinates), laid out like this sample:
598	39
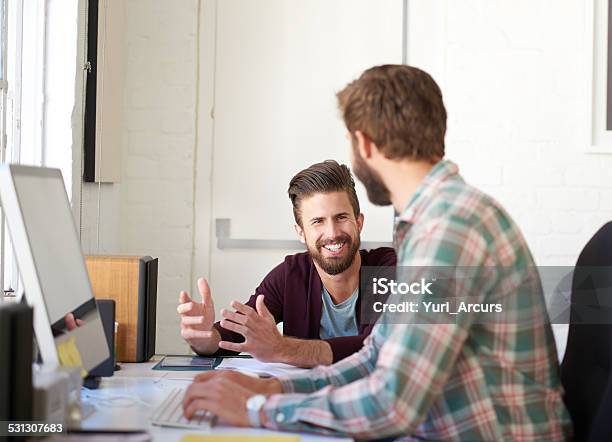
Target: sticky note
69	355
239	438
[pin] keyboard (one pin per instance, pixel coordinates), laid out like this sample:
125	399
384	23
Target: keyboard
170	413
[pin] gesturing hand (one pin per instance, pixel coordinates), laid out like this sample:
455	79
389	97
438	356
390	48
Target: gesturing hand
262	338
197	318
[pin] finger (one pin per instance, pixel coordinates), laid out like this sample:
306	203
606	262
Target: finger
202	377
187	308
219	373
261	307
229	325
200	405
189	333
184	297
238	318
80	322
195	391
204	289
244	309
232	346
192	320
70	322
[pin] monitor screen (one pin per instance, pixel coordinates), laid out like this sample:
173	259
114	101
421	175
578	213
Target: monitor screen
51	265
53	243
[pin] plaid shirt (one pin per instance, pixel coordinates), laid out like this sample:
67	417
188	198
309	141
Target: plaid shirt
452	381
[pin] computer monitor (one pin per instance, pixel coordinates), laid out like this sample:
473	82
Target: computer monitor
51	264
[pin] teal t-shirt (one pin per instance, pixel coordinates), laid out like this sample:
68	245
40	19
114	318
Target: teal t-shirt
338	319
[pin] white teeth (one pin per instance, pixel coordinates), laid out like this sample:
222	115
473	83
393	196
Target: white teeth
333	247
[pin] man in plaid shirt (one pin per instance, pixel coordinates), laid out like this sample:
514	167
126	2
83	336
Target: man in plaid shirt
463	379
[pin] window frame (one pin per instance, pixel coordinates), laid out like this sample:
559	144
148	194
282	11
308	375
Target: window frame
597	138
20	113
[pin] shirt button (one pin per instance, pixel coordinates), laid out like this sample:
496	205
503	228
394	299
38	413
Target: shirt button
280	417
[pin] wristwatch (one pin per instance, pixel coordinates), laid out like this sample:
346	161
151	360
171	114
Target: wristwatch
253	405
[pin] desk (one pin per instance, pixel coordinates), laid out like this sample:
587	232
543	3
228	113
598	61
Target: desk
127	400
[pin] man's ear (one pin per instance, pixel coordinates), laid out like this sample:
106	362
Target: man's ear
360	222
300	233
364	144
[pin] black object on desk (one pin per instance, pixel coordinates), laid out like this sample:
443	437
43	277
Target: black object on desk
16	350
106	308
192	363
147	308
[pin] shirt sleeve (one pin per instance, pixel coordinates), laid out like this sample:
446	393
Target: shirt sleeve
344	346
389	257
414	359
348	370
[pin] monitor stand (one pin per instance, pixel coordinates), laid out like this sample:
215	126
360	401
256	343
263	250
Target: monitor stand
92	382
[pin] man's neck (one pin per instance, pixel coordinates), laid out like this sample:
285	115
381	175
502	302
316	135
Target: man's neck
403	179
341	286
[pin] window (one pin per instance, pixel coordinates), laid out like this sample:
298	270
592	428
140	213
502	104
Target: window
21	114
5	249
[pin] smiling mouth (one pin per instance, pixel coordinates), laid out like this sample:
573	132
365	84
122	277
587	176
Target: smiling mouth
334	248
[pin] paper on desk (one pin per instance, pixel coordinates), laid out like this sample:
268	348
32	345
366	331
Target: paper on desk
238	438
252	365
69	355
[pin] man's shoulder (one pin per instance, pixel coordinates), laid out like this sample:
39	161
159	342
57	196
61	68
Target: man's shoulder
293	267
460	204
381	256
464	215
296	262
302	262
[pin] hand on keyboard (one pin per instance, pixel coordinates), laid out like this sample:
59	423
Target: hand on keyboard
222	395
257	385
170	413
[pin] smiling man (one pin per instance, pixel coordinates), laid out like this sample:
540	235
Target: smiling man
315	293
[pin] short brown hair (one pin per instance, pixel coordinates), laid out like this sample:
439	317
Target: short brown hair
399	108
325	177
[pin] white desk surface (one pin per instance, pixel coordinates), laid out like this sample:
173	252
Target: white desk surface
127	400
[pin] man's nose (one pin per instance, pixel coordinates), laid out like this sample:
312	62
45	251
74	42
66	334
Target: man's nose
332	229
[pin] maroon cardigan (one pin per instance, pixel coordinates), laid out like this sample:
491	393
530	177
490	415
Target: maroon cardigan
293	292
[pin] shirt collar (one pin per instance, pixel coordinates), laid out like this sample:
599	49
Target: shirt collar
439	173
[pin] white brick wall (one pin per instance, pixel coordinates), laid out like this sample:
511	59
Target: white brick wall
160	110
512	76
150	212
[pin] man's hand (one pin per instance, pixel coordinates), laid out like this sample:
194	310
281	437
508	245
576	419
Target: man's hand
253	384
262	338
71	322
197	319
221	397
225	394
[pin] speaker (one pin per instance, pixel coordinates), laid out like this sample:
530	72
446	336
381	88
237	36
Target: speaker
131	281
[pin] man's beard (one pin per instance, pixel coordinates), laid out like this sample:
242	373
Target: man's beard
335	265
378	193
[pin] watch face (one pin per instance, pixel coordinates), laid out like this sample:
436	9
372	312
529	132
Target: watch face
255	402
